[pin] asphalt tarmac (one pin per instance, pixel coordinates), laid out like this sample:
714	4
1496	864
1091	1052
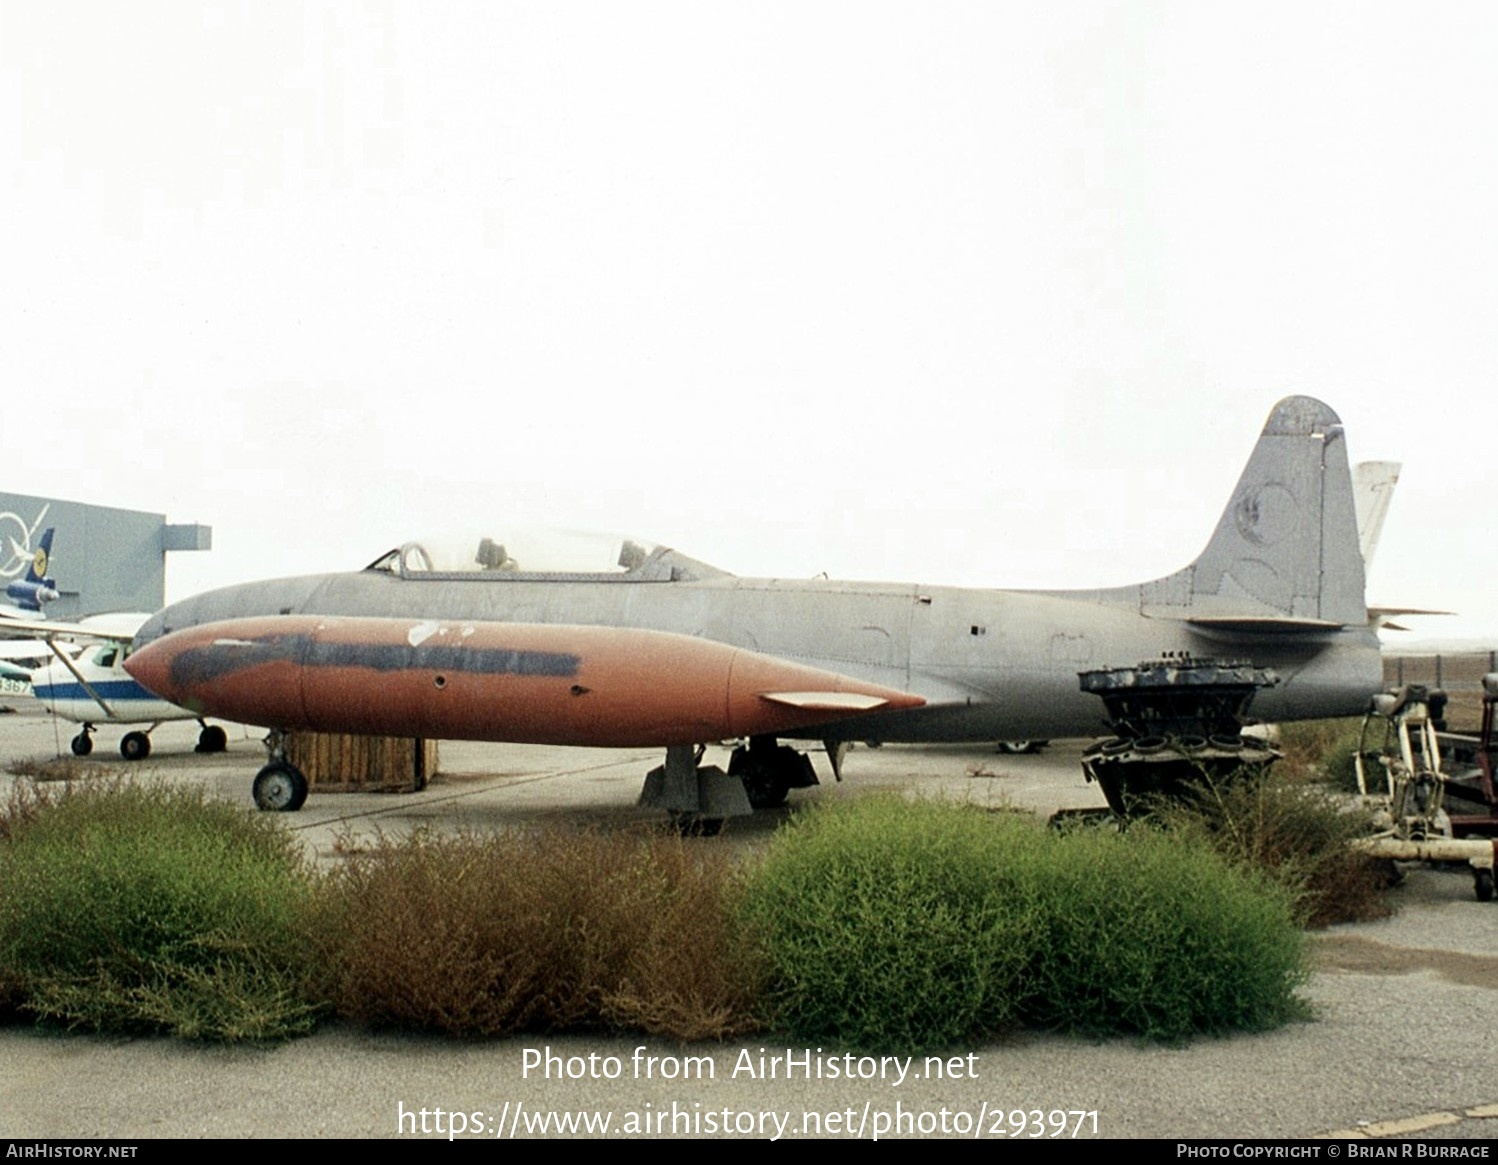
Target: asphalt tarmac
1400	1046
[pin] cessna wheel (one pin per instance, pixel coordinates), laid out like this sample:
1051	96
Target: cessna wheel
280	788
1483	885
135	746
82	744
212	739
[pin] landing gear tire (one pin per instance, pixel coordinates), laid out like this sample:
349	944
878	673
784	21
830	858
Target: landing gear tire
769	772
693	825
280	788
82	744
765	789
1482	885
212	739
135	746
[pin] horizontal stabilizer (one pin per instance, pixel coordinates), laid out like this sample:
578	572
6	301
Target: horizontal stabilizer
1382	618
1266	624
826	701
1388	612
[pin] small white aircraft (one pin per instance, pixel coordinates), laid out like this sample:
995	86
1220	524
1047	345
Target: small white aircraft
88	686
94	688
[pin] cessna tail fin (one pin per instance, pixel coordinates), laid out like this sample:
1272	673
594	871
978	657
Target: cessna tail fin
1285	554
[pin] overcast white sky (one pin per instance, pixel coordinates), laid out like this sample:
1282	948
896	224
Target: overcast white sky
986	294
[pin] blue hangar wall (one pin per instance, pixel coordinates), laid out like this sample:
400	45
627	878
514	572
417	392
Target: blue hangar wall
104	559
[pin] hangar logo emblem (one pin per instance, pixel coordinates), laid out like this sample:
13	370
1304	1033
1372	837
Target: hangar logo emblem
16	553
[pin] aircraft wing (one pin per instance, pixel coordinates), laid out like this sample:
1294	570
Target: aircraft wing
113	628
52	633
50	629
94	628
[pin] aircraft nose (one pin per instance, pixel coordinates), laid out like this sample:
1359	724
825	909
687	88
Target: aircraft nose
151	668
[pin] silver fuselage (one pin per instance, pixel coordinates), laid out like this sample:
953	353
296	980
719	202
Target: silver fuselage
991	664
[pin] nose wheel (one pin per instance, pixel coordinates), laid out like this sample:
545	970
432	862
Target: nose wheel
280	788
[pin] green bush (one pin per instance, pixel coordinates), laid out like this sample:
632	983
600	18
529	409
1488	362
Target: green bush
1152	934
889	925
125	907
485	935
894	926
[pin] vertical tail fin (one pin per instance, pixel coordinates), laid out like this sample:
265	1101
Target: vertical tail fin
36	588
1285	553
41	558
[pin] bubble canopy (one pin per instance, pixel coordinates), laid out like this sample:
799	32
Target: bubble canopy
527	553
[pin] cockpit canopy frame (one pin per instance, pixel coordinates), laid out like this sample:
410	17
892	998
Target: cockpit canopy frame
567	556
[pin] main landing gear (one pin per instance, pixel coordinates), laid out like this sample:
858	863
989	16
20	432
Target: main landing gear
699	797
133	745
211	738
770	771
137	745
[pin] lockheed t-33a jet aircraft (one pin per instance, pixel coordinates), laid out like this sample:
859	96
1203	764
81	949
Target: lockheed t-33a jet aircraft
647	647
